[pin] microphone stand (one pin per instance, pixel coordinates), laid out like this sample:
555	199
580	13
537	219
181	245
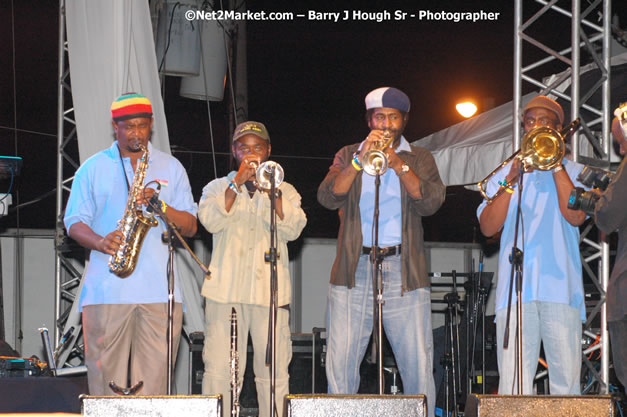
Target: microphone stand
452	343
480	291
516	259
171	233
271	256
377	282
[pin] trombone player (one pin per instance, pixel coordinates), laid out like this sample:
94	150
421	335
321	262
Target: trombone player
552	288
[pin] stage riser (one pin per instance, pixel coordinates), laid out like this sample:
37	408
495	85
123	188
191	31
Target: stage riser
539	406
154	406
355	406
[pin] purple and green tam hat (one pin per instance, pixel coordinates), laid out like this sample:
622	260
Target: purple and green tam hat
388	97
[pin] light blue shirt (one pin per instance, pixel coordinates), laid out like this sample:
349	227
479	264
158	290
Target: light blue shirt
552	261
389	205
98	199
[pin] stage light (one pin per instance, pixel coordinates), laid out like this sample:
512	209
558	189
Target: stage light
466	108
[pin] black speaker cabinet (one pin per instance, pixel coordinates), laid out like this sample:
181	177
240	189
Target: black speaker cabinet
539	406
154	406
355	405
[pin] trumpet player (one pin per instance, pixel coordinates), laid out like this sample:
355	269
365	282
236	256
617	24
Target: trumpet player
125	319
410	189
552	288
237	213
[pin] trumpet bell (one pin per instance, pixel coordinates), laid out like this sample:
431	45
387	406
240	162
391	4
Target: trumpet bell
264	177
375	161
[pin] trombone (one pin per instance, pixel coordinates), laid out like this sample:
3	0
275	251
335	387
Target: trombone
541	148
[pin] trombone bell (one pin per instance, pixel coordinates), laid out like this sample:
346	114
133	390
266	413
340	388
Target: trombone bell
541	148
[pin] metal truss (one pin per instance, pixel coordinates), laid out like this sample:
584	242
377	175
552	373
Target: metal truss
590	35
67	271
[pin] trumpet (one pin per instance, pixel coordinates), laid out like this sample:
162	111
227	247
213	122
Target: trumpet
375	161
263	174
541	148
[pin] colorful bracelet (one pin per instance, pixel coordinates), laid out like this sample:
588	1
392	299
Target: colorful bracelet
164	206
233	186
508	187
356	163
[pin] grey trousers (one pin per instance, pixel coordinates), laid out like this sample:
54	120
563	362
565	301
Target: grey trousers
127	343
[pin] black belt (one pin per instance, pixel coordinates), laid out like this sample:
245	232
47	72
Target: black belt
387	251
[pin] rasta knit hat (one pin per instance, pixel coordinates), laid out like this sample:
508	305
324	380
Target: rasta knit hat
129	106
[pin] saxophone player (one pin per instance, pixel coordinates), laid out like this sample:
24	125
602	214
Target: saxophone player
125	319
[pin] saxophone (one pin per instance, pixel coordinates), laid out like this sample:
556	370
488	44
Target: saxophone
234	362
133	225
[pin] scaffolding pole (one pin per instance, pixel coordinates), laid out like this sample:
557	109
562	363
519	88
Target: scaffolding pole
593	143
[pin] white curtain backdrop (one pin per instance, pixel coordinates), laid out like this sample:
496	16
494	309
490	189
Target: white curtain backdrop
111	51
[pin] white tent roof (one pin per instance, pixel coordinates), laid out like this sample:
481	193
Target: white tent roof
467	152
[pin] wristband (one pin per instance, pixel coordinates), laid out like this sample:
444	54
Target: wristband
509	187
558	168
233	186
509	190
164	206
356	163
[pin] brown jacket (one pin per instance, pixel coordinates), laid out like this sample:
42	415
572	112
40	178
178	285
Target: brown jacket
349	242
610	214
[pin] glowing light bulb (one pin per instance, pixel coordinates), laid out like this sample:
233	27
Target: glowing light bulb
466	108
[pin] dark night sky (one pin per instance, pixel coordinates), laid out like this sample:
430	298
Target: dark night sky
306	81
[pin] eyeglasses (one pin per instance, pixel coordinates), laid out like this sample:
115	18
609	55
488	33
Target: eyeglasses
542	121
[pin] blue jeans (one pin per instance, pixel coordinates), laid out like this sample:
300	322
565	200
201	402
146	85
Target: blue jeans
558	327
406	321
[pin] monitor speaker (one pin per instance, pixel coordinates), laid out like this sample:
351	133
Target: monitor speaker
539	406
355	405
155	406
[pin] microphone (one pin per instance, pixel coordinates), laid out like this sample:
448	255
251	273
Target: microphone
62	343
66	336
154	201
